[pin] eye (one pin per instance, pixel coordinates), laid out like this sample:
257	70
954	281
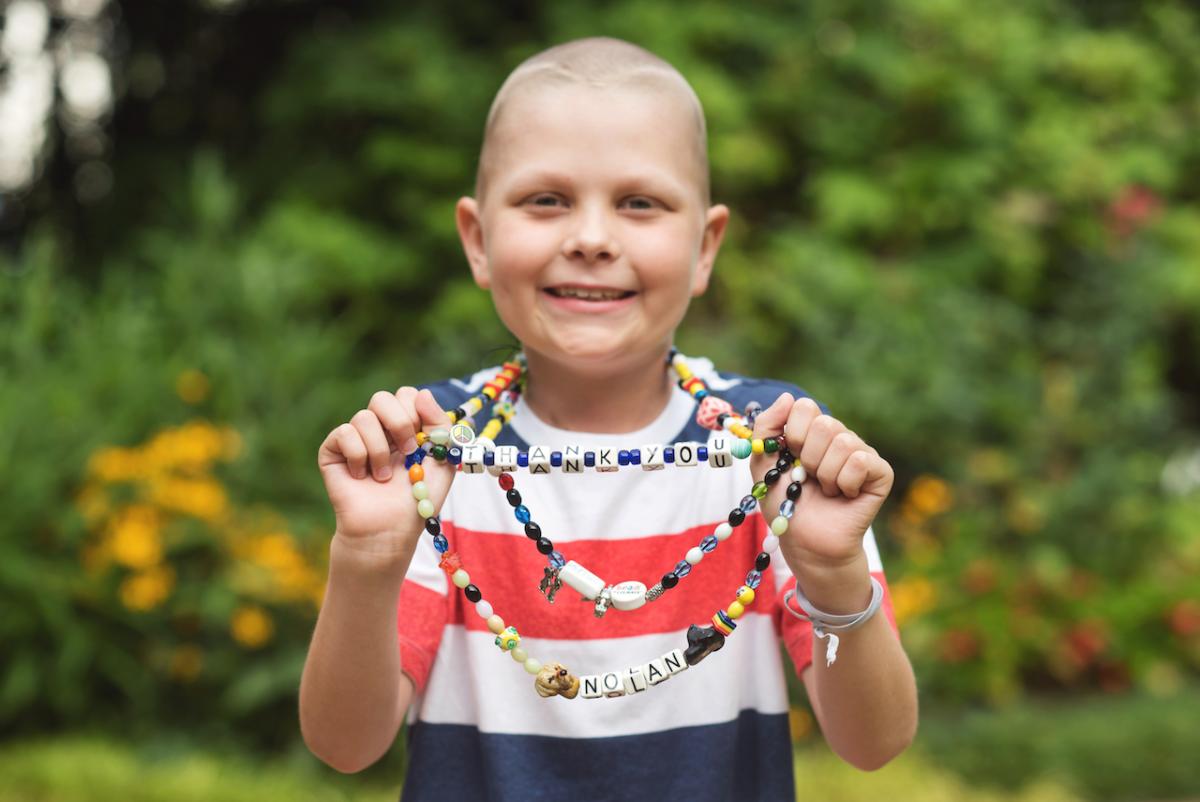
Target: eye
545	200
640	203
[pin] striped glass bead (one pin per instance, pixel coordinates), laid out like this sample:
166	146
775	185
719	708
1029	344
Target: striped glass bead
759	490
748	504
682	569
708	544
740	449
753	579
557	560
522	513
788	508
441	544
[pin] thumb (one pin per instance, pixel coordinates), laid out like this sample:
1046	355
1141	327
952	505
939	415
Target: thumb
429	411
770	422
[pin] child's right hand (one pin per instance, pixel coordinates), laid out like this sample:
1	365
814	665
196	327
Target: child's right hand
362	465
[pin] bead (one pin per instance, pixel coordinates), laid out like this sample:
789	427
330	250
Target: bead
461	434
685	455
439	436
508	639
472	593
736	517
771	446
495	624
635	681
522	513
523	460
419	491
799	474
740	449
553	679
675	661
793	491
669	455
489	459
539	459
682	568
506	458
787	509
472	458
708	544
762	561
557	560
635	456
710	408
723	623
486	443
545	546
753	579
770	544
723	531
460	578
425	508
771	476
483	608
759	490
514	497
745	595
556	459
655	671
572	459
590	686
519	655
611	685
533	531
756	446
454	455
669	581
532	666
739	429
628	595
702	641
416	473
702	453
622	457
438	452
783	464
779	526
694	555
577	577
606	460
422	438
652	458
506	481
718	452
440	544
589	459
735	610
751	411
748	504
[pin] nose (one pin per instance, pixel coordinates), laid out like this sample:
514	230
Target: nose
591	237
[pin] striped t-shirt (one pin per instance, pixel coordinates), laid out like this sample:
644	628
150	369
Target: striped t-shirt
716	731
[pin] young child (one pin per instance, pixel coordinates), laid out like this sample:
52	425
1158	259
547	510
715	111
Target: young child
592	228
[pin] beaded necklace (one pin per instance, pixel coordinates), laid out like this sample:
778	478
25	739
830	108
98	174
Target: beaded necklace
472	454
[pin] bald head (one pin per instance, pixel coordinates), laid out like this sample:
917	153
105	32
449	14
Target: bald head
597	63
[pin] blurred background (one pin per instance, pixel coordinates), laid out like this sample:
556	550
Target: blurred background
971	228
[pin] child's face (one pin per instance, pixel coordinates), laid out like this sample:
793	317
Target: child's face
593	190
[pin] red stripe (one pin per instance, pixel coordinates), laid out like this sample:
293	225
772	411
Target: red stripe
421	619
507	569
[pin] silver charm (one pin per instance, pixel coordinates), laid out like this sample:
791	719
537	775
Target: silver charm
655	592
603	600
550	583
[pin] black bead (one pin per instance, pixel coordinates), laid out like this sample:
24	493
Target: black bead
787	456
514	497
533	531
459	413
772	476
736	517
722	418
473	593
762	561
545	546
669	581
784	464
433	526
793	491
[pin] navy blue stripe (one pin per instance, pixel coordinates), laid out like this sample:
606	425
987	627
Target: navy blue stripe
744	760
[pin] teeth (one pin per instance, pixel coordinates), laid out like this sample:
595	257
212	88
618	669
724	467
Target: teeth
590	295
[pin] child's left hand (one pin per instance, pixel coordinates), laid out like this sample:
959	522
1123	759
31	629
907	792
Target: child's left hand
846	485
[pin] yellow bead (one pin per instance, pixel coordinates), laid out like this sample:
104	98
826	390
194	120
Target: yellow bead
422	438
756	446
492	429
739	430
490	393
745	595
735	610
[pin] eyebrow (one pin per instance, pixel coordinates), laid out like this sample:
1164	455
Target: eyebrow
654	178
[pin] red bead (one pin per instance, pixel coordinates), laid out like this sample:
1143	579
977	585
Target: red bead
450	562
506	481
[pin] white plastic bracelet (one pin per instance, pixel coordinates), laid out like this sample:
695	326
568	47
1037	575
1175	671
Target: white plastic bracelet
826	624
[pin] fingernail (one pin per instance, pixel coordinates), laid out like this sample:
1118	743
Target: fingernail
384	474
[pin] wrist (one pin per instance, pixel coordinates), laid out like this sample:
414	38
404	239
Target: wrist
383	555
841	589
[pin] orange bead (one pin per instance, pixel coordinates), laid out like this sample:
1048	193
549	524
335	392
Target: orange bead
416	473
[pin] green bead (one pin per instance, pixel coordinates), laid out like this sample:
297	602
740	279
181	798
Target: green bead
771	446
425	508
779	526
438	452
439	436
758	491
740	448
420	491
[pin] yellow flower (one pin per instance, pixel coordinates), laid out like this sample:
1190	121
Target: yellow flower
191	447
929	495
92	503
911	597
202	498
251	626
115	464
147	589
192	386
135	536
186	662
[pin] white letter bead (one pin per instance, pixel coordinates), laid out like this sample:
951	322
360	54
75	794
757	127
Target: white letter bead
472	459
656	671
506	458
719	455
798	474
685	455
539	459
634	681
723	531
628	595
612	685
652	458
590	685
694	555
606	460
675	661
572	459
581	579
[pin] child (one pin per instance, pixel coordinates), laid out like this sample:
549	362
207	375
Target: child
592	229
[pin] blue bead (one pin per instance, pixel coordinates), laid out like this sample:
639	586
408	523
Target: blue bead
787	508
748	504
454	455
589	459
410	460
702	453
753	579
556	459
557	560
489	458
669	455
635	456
441	544
701	395
522	513
522	459
682	568
708	544
622	457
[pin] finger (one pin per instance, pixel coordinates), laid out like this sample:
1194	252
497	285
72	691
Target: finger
345	445
429	411
803	413
840	448
379	453
820	434
396	414
854	472
768	424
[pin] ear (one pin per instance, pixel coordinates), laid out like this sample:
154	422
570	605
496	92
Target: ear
715	221
470	230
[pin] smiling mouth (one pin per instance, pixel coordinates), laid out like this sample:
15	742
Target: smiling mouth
589	294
